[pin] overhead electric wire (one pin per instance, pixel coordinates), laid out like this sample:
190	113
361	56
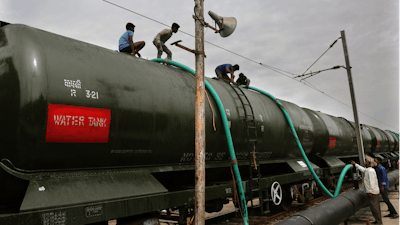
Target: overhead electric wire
312	86
322	55
315	88
280	71
264	65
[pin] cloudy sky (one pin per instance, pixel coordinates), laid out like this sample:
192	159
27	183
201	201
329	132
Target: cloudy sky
288	35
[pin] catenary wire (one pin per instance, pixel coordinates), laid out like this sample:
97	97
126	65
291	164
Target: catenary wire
315	88
322	55
264	65
280	71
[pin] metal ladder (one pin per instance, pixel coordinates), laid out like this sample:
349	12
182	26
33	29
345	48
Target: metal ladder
247	115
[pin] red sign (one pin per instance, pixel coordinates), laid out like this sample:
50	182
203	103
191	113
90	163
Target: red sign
332	142
378	144
66	123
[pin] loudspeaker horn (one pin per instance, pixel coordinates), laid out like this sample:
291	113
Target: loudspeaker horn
226	24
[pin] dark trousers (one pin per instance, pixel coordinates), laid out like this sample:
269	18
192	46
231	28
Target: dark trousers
126	50
375	207
385	196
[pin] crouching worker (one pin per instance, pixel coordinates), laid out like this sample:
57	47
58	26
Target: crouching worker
243	80
222	70
371	187
162	37
126	41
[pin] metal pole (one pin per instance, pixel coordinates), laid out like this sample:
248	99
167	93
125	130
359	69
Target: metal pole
360	146
200	135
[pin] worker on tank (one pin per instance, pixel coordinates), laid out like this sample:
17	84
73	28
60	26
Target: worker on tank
222	71
371	187
384	187
243	80
126	43
162	37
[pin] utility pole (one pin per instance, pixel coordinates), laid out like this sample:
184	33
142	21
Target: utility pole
200	134
360	146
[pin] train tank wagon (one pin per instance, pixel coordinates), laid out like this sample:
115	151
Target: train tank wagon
89	135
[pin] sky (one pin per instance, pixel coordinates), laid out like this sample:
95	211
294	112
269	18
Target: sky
288	35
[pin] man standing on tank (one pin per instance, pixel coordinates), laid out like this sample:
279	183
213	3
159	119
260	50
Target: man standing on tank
222	71
384	188
372	188
161	38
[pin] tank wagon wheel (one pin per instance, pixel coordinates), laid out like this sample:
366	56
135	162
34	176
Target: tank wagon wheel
287	198
317	192
276	193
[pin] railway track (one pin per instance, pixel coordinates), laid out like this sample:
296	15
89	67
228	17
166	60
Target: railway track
233	218
273	217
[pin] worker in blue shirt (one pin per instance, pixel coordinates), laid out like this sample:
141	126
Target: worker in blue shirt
126	41
222	70
383	182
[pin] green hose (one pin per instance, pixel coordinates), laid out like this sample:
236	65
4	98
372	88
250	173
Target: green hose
221	108
397	135
342	174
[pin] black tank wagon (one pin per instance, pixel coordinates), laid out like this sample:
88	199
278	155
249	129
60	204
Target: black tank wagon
89	134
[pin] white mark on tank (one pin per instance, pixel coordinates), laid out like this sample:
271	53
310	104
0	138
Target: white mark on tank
73	92
190	157
187	157
97	122
92	94
35	62
73	84
220	156
261	118
66	119
208	156
54	217
42	188
263	155
228	112
59	120
81	120
301	163
262	128
78	120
